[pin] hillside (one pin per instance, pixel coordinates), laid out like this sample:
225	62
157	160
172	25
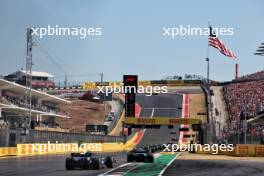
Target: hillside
83	112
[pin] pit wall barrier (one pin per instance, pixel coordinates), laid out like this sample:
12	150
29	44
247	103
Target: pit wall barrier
44	149
65	148
249	150
8	151
240	150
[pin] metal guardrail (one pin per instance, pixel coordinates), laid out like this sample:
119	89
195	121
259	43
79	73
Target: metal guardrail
4	137
116	116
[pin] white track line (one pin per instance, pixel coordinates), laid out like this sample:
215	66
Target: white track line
152	112
133	168
156	155
164	169
114	169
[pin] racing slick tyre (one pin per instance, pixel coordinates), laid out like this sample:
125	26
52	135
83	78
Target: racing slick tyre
150	159
95	164
85	164
69	164
109	162
130	158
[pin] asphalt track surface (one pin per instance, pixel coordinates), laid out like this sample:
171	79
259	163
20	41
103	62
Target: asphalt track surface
47	165
215	168
162	105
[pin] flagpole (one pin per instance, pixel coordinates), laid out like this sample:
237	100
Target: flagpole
208	60
236	74
208	68
209	115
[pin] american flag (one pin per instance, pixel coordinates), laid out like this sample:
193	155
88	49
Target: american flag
214	41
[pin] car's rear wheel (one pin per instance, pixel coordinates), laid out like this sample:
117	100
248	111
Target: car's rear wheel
150	159
109	162
69	164
95	164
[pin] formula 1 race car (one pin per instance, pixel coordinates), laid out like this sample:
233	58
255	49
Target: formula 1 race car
154	148
140	155
87	161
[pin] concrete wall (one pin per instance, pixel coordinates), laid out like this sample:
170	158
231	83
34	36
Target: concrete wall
219	112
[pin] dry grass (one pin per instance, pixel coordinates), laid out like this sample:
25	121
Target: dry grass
83	113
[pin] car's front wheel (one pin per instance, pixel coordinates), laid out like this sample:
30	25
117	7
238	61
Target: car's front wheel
130	158
69	164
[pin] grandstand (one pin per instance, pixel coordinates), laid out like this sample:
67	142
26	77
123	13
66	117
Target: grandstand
245	100
51	116
14	110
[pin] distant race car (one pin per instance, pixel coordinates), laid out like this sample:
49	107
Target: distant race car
88	160
173	132
154	148
174	139
140	155
159	147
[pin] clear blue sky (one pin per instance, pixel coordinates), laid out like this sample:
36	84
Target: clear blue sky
132	41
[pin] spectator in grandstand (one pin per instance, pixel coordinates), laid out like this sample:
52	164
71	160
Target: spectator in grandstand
244	100
21	102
